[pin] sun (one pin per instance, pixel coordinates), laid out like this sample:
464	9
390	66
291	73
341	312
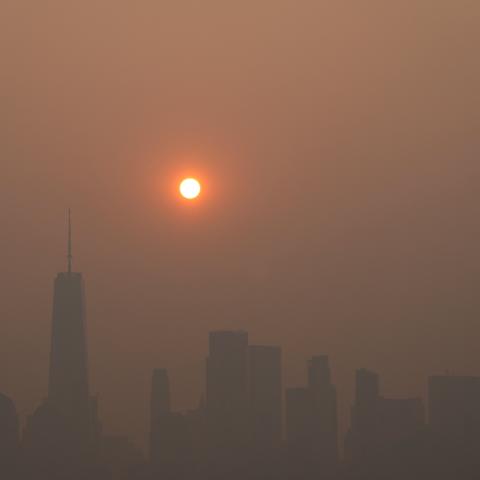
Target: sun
190	188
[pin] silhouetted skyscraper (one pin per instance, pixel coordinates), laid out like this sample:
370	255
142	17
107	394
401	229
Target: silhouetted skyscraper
364	415
159	415
454	407
265	378
65	428
171	446
227	391
324	420
9	437
177	440
367	387
367	396
160	394
454	426
298	418
68	381
312	422
400	419
381	427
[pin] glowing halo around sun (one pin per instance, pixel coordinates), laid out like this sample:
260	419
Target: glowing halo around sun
190	188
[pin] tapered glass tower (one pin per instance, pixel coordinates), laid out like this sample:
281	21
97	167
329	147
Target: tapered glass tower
68	390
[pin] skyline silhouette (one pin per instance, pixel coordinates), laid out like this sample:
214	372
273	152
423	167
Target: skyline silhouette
248	424
273	262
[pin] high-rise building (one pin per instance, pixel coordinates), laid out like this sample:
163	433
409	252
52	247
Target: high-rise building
454	407
362	435
367	396
381	424
265	380
400	419
227	390
160	394
312	422
160	414
171	444
318	372
9	437
454	426
298	418
68	380
68	405
367	387
324	418
177	439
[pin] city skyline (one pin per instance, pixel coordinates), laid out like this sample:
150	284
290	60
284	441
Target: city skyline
246	421
304	172
68	380
60	285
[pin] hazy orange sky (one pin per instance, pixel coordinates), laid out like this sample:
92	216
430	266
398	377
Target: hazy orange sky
339	143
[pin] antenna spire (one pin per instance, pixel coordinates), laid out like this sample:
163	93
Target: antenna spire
69	246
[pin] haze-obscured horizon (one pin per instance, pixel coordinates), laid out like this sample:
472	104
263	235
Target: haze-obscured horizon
339	146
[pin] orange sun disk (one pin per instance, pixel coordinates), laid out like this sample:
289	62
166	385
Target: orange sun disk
190	188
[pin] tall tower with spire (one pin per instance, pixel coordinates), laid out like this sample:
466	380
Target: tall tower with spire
62	435
68	390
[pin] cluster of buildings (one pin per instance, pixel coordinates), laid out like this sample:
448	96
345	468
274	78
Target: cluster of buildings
246	426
